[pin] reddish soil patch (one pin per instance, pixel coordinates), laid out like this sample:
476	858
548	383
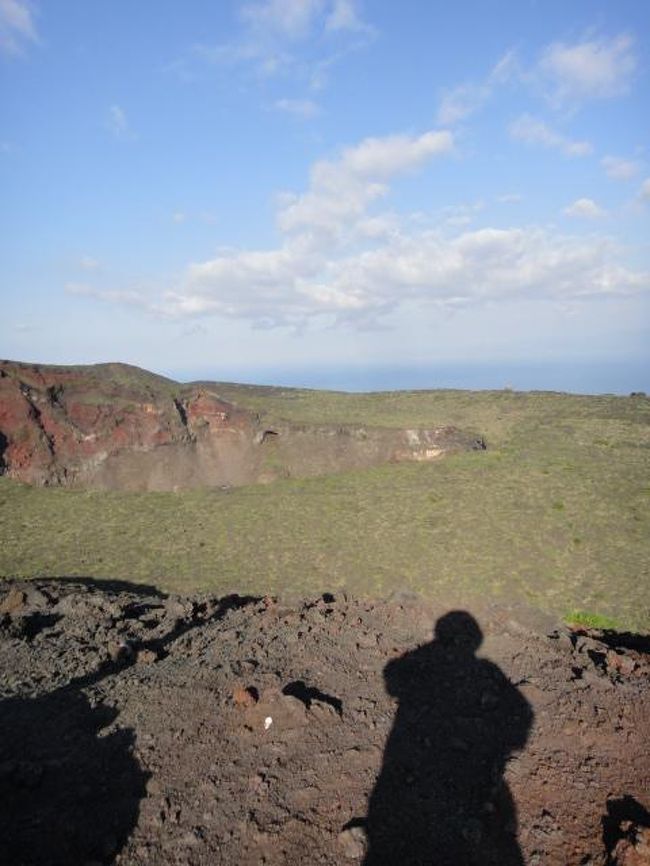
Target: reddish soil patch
137	728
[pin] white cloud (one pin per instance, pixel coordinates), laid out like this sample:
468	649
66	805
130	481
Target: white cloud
16	26
382	157
339	258
341	190
331	218
297	19
510	198
534	131
644	190
179	217
266	60
296	36
304	108
566	74
620	169
465	99
290	19
459	103
344	15
291	284
594	69
118	123
584	208
88	263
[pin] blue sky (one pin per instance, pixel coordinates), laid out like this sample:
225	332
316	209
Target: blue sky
278	188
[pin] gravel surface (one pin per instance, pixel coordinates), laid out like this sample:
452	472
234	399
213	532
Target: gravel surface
140	728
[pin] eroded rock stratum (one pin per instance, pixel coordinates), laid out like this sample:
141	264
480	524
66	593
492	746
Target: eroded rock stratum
113	426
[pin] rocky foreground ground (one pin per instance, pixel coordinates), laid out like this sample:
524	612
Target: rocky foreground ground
138	728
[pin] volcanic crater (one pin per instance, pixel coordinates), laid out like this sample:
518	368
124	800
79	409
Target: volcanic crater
116	427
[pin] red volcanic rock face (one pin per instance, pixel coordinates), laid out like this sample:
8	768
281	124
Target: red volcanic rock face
208	410
26	442
57	425
112	426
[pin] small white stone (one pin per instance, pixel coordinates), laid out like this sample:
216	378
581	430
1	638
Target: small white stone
268	721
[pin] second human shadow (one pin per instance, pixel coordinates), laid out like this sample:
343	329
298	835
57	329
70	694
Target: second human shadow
441	797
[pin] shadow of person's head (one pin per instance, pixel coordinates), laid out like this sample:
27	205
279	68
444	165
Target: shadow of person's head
458	630
441	795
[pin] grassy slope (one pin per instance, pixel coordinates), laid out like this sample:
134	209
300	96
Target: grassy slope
556	512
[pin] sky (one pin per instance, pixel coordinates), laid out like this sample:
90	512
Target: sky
329	192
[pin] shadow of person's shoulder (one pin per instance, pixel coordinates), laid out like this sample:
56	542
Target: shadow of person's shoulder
66	770
458	720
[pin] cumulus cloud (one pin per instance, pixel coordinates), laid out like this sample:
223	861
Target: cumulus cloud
593	69
16	26
293	283
620	169
341	190
340	258
584	208
534	131
320	228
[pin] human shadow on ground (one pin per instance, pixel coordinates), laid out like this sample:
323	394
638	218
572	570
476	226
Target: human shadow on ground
441	797
68	794
70	782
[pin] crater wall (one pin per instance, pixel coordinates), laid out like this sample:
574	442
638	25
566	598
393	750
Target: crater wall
118	427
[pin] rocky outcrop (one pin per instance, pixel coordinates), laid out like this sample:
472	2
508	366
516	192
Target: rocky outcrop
69	426
118	427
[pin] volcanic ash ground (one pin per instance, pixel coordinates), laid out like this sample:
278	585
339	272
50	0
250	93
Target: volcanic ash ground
140	728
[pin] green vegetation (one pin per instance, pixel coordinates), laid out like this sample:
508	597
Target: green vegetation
556	512
592	620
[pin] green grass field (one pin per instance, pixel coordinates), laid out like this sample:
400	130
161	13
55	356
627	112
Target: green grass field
555	513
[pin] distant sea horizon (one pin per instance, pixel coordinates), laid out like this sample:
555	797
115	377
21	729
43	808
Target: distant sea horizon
576	377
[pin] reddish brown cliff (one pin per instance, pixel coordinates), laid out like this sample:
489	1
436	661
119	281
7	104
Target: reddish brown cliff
66	425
